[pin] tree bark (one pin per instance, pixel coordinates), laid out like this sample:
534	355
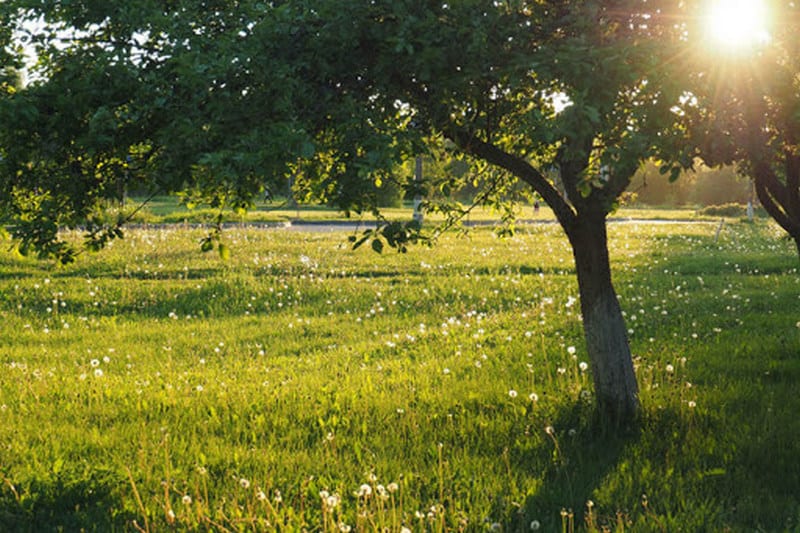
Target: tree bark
603	324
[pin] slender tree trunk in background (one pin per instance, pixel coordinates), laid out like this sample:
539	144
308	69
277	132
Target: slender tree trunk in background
603	324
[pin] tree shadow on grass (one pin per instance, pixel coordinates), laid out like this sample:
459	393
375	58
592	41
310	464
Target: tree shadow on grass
582	451
62	505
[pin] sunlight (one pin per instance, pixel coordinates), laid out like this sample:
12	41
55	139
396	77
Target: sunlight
737	25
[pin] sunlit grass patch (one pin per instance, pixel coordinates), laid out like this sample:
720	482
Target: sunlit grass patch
301	385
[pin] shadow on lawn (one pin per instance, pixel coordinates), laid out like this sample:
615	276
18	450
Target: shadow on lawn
61	505
583	452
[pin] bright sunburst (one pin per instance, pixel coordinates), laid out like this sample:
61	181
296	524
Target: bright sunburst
737	25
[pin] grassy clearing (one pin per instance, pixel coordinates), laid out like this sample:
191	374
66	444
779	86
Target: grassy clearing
167	210
302	385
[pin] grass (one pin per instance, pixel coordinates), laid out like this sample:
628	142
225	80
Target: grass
301	385
168	210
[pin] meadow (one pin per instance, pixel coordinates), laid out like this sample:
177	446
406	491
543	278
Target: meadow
300	385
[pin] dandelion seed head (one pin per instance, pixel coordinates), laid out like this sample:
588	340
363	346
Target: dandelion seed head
535	525
512	393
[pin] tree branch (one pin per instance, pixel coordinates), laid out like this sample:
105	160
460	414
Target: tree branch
519	168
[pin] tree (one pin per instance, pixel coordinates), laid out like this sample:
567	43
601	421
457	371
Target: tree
215	96
745	106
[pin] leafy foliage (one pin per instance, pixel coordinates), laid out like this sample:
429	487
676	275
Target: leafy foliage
745	106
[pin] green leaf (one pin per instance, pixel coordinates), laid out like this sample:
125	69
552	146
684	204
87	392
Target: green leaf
377	245
224	252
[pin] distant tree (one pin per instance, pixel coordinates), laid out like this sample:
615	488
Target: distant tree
654	188
701	186
213	97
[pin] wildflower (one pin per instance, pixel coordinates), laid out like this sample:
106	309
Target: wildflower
496	526
692	404
187	500
670	369
535	525
549	430
364	491
571	350
392	487
589	504
244	482
332	501
533	397
94	363
512	393
98	372
277	498
446	371
584	366
344	528
404	529
261	496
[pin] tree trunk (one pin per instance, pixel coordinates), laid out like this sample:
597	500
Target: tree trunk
603	325
781	201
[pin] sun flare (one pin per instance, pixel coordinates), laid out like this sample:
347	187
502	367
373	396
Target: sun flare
737	24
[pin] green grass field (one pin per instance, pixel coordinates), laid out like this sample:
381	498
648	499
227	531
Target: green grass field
303	386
